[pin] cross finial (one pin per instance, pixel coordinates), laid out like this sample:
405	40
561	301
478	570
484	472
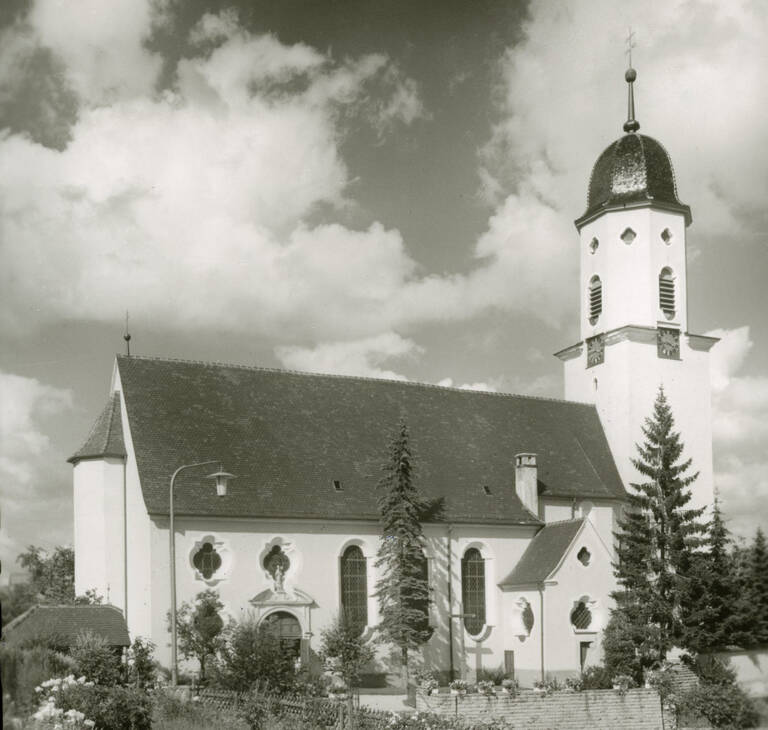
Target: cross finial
127	336
630	46
631	125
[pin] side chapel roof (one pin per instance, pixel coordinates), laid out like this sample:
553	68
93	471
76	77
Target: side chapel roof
288	436
543	553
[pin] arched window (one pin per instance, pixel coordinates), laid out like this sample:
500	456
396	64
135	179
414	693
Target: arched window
473	590
423	605
667	292
595	299
285	626
354	587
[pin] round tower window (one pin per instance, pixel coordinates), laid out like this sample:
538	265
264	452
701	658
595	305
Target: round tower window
666	236
594	244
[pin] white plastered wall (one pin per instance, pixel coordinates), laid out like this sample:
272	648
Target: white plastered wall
568	584
98	528
624	389
314	549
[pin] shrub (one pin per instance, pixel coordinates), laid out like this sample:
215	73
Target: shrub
25	669
96	660
485	687
596	678
142	670
112	708
252	653
724	706
344	651
491	675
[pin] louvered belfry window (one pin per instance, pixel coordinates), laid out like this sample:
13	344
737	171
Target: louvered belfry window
595	299
473	590
354	587
667	293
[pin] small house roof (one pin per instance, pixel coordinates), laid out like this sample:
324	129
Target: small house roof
64	623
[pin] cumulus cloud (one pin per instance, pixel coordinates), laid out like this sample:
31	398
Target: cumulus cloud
740	425
562	100
27	458
359	357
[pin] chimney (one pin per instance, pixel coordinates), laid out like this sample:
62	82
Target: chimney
526	481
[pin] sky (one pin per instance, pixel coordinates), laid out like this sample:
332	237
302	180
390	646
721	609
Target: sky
380	188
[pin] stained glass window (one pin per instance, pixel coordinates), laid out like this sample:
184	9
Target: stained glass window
354	587
473	590
207	560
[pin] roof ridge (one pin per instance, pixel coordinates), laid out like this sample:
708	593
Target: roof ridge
364	378
108	432
563	522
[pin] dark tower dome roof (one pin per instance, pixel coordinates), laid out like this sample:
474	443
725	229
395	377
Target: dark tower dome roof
634	172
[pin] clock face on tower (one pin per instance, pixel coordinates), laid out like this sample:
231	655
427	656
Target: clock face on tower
595	350
668	343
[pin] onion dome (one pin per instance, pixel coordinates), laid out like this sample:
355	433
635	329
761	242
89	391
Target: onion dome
633	172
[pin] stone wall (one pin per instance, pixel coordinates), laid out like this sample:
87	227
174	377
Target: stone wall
638	709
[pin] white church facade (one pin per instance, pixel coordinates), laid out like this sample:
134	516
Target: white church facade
526	491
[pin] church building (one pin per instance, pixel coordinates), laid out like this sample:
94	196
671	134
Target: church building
518	555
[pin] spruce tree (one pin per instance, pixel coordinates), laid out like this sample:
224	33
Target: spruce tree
657	537
403	590
712	605
757	588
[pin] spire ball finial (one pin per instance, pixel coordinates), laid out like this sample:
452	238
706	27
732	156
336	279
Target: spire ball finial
630	75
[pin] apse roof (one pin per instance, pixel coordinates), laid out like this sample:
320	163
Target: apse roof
288	436
106	436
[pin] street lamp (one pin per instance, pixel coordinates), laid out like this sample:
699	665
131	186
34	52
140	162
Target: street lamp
221	478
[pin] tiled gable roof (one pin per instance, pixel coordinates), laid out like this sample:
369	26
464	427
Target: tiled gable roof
287	436
64	623
106	436
543	553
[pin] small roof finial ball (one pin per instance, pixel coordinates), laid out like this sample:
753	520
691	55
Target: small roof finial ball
630	75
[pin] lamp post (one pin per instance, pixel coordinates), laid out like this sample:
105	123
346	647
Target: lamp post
221	478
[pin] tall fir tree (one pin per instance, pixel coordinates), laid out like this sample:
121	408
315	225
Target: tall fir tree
713	609
657	537
402	590
756	588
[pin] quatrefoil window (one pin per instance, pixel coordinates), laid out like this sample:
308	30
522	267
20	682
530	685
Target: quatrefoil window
628	236
207	560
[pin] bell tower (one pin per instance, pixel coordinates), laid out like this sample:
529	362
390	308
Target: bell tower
633	305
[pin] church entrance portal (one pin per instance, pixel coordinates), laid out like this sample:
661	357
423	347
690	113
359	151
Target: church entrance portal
285	626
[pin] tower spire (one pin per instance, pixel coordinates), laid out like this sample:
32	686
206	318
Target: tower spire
631	125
